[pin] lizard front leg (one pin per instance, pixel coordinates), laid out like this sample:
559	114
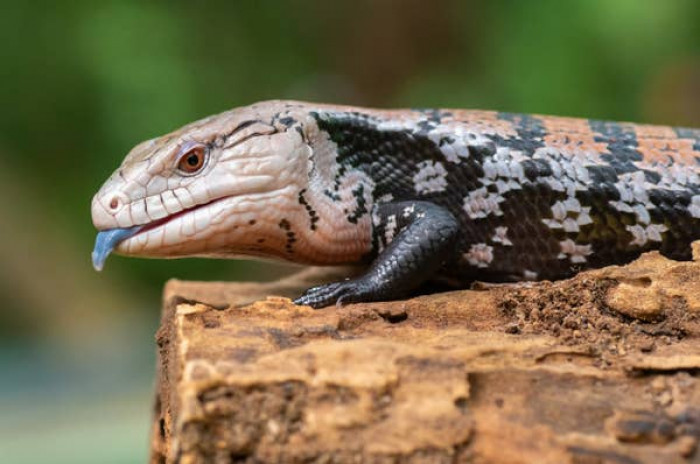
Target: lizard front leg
425	235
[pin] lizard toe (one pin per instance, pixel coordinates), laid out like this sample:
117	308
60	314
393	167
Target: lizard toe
339	293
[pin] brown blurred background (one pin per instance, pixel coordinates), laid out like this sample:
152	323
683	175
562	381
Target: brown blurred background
81	82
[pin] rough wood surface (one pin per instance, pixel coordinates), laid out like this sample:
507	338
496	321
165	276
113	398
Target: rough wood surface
604	367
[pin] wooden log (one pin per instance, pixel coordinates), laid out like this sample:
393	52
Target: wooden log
604	367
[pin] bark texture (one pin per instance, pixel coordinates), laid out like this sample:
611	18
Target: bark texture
604	367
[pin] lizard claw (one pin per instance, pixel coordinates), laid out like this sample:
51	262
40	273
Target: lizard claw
338	293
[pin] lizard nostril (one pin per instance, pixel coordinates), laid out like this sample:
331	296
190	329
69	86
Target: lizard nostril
114	203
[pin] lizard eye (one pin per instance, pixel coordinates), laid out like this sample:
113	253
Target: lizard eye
192	160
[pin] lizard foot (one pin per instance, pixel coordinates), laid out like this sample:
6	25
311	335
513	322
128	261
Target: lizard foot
338	293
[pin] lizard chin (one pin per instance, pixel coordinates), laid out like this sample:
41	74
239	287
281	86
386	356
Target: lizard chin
109	239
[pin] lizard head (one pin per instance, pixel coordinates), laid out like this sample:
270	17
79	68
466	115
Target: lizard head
206	189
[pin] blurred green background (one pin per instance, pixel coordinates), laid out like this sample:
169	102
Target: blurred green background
81	82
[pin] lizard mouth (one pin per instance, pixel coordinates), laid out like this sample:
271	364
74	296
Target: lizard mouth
107	240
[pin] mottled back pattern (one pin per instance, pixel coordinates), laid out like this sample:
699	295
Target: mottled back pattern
536	197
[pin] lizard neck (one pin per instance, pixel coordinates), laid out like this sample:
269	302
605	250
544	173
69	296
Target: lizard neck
334	208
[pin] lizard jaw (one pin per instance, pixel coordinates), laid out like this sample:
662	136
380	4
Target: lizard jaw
109	239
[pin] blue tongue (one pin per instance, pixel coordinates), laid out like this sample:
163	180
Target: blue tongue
106	241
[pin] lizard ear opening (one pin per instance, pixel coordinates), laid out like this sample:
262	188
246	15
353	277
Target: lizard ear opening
192	159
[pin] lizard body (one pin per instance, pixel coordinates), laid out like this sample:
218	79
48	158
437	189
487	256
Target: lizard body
414	194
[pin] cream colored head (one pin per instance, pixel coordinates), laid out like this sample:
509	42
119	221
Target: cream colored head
208	185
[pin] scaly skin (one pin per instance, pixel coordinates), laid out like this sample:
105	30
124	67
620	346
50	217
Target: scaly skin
414	194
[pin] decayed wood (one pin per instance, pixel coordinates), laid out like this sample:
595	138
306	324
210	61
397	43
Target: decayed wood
604	367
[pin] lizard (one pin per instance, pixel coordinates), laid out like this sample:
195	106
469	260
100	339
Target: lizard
413	195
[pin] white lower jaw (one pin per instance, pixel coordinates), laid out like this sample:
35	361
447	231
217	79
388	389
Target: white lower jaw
215	229
178	236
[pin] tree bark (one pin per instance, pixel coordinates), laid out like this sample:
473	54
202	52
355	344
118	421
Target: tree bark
604	367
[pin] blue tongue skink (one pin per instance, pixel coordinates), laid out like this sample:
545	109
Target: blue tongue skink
414	195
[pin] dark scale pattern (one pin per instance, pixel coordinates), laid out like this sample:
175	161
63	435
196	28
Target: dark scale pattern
690	134
390	159
622	145
670	207
359	194
620	227
672	210
607	234
291	236
530	133
313	215
535	246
